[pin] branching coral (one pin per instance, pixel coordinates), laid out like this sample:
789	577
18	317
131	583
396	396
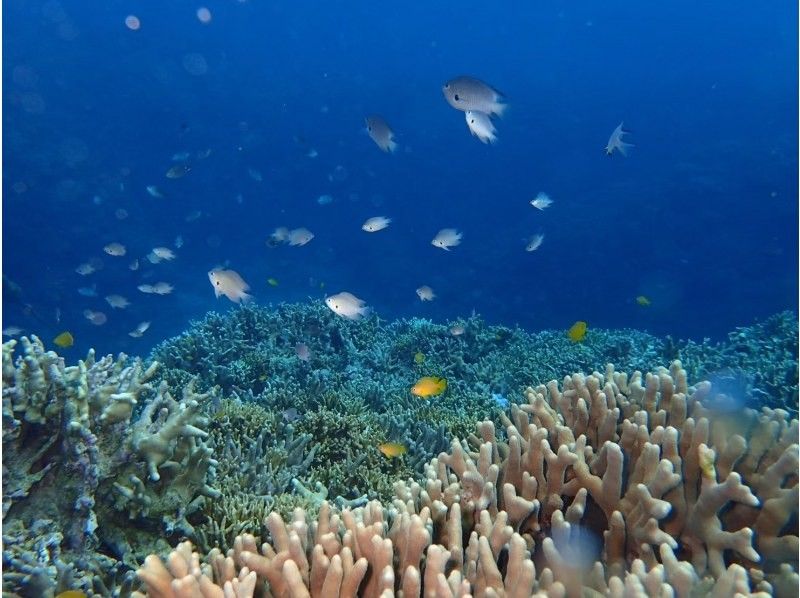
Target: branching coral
674	491
79	452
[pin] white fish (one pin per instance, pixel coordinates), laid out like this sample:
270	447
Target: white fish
97	318
255	175
541	201
153	258
230	284
481	126
134	265
425	293
534	243
163	253
85	269
121	213
447	238
192	216
88	291
376	223
347	305
178	242
115	249
146	288
139	330
300	236
203	154
468	93
457	330
615	141
12	331
312	153
381	133
163	288
117	301
302	351
324	200
153	191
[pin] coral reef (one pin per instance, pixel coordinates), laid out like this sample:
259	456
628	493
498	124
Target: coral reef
604	485
97	455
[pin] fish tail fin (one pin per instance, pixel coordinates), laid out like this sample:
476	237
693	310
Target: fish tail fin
623	147
499	108
391	146
245	298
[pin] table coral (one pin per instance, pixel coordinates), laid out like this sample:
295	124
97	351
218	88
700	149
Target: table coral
673	490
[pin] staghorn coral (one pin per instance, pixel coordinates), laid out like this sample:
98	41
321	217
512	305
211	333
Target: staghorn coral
672	491
92	449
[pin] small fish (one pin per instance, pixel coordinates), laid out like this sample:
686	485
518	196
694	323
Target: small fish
468	93
457	330
642	300
88	291
312	153
64	340
115	249
615	142
429	386
71	594
134	265
347	305
163	288
58	315
85	269
230	284
121	214
534	243
117	301
178	242
12	331
255	175
192	216
146	288
392	449
97	318
481	126
299	237
541	201
290	414
425	293
163	253
324	200
273	282
380	132
447	238
178	171
153	190
139	330
302	351
203	154
577	332
376	223
419	357
279	235
180	156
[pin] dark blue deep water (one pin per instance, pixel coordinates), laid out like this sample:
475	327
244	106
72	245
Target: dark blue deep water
701	217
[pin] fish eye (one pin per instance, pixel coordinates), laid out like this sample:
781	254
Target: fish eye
217	283
456	98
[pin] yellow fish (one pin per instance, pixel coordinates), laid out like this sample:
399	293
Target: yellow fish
392	449
71	594
577	331
419	357
64	340
273	282
643	301
429	386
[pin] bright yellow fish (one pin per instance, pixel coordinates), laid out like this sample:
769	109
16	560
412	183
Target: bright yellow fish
64	340
273	282
643	301
392	449
429	386
577	332
71	594
419	357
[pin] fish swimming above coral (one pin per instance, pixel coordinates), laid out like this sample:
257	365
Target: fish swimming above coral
615	142
429	386
347	305
230	284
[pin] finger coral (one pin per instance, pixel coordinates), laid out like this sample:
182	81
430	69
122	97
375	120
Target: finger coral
602	485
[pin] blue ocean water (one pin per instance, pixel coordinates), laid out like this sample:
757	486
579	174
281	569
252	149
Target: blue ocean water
701	217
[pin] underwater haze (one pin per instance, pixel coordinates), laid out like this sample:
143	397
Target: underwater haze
257	112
